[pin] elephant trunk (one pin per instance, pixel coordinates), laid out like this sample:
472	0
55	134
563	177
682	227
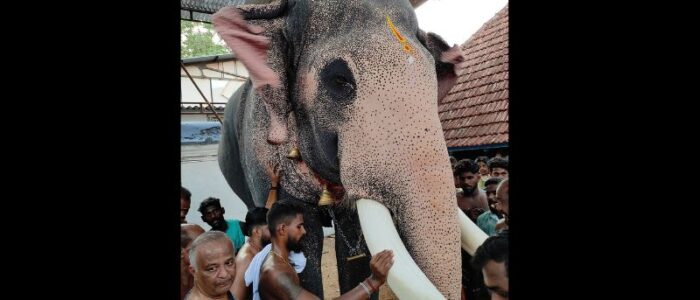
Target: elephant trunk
413	181
432	239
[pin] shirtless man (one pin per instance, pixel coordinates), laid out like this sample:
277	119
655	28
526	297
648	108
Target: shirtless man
473	201
258	237
279	280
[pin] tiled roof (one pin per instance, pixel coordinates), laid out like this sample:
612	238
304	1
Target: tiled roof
475	110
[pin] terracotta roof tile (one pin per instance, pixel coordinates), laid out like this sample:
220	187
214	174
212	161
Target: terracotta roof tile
475	110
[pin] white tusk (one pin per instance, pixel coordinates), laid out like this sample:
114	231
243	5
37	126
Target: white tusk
472	235
406	280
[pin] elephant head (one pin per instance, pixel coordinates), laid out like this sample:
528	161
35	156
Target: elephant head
354	86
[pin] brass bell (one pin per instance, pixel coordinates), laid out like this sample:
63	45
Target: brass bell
294	153
326	197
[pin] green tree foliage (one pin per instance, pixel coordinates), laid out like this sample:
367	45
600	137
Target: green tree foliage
198	39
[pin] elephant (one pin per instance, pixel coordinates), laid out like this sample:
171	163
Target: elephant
353	85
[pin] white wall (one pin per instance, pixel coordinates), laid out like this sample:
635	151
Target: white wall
199	166
216	86
197	118
190	93
200	174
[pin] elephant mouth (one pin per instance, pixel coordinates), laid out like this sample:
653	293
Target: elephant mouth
405	278
315	183
335	189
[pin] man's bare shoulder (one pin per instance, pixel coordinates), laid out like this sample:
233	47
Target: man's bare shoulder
279	281
245	255
272	269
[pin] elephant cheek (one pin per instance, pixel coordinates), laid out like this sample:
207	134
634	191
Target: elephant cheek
307	86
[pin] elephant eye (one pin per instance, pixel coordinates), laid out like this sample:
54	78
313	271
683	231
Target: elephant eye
338	81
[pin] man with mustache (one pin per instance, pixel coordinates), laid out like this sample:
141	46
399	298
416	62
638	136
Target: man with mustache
278	277
212	266
487	221
473	201
213	214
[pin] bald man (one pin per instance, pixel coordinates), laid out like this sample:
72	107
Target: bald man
212	266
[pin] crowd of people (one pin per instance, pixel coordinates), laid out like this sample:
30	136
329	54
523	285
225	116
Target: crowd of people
260	257
482	194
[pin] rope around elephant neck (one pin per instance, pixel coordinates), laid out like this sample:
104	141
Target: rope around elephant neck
353	251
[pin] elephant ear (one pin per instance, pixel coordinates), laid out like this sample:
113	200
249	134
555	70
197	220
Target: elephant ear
445	59
254	34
